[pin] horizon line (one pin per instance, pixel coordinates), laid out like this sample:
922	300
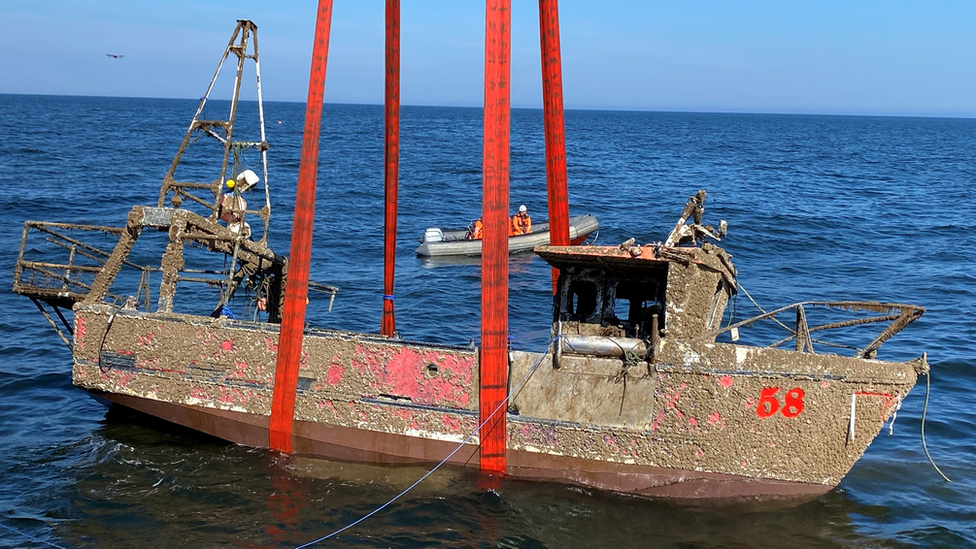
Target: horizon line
539	108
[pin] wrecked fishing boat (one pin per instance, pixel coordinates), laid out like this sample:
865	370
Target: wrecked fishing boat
642	389
458	242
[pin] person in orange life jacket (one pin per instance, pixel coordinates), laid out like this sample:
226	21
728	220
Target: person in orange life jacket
521	222
477	230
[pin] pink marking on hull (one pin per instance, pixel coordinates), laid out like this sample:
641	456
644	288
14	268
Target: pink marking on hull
334	376
403	371
199	393
270	345
227	345
451	424
672	404
240	366
726	381
125	380
81	326
716	419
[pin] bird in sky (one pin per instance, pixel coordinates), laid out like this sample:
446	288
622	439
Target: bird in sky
115	55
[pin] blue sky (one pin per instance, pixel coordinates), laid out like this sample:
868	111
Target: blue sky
863	57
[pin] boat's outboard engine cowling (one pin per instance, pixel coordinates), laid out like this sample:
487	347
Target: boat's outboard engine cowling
433	234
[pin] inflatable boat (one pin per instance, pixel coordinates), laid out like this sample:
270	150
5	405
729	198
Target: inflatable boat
456	242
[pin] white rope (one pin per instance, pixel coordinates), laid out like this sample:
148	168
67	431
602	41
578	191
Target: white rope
449	456
761	310
894	416
925	407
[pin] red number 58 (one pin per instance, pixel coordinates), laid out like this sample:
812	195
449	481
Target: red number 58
768	403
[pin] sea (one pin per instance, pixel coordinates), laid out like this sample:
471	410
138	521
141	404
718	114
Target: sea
818	208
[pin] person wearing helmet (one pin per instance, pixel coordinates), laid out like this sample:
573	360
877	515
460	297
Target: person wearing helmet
521	222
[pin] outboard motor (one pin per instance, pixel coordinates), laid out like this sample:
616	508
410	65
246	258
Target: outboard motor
433	234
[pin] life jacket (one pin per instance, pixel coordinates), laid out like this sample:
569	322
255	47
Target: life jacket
521	224
478	230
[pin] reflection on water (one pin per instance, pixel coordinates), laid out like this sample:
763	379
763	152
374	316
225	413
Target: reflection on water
155	484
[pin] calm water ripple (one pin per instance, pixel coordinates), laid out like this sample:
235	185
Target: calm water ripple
819	207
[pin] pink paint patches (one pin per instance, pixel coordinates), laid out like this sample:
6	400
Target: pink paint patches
726	381
671	404
825	384
271	346
226	395
227	345
81	325
334	376
147	340
692	421
335	411
715	419
321	405
751	403
426	377
152	363
125	380
451	424
541	435
240	366
699	453
611	442
451	366
199	393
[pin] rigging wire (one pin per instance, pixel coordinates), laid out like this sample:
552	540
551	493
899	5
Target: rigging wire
464	442
26	535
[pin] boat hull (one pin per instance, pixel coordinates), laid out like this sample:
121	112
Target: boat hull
457	245
688	426
364	446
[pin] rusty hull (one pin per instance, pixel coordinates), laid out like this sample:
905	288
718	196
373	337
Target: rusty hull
686	426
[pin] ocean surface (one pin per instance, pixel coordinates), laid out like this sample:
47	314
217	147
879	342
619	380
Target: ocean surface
818	207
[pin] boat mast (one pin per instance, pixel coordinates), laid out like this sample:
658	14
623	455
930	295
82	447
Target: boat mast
552	95
493	363
392	164
296	288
